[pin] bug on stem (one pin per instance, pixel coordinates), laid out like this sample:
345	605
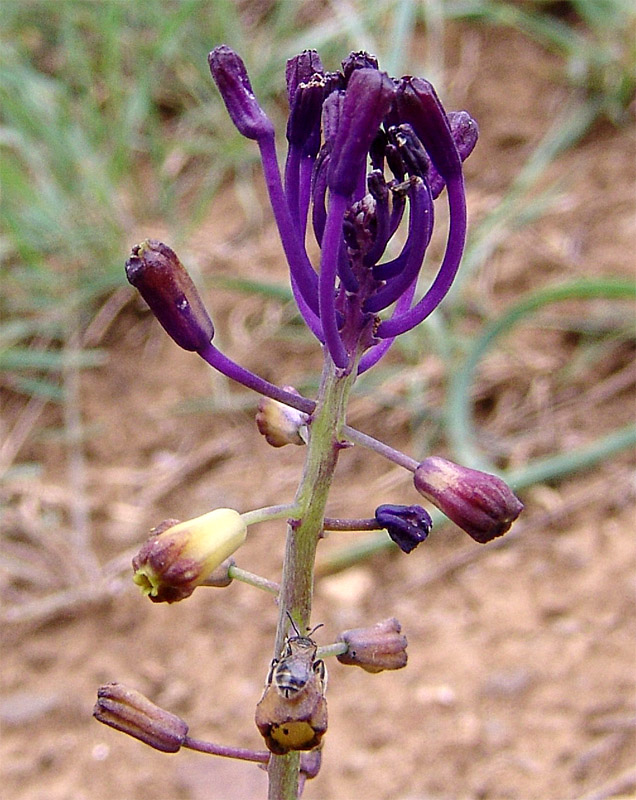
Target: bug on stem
297	665
292	713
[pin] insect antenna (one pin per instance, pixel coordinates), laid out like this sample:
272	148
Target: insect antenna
298	633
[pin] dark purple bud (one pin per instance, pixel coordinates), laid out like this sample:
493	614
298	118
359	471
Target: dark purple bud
231	78
413	155
367	99
465	133
300	69
481	504
303	125
161	279
376	648
406	525
358	60
377	150
128	711
331	114
418	104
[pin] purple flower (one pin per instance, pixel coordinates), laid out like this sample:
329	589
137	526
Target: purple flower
346	132
480	503
156	272
406	525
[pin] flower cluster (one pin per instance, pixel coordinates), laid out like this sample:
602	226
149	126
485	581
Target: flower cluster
346	132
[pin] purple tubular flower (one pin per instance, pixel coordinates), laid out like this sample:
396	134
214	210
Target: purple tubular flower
406	525
231	78
161	279
300	69
479	503
367	99
417	102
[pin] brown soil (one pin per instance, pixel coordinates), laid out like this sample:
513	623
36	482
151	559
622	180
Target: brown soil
521	679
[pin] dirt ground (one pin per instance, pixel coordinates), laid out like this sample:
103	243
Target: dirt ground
521	678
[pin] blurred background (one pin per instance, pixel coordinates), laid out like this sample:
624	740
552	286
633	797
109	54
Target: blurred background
520	680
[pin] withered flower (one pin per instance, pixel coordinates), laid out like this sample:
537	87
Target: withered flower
127	710
155	271
376	648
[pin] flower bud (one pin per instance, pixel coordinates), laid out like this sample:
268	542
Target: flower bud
376	648
406	525
419	105
280	424
177	558
479	503
367	99
161	279
232	80
359	59
128	711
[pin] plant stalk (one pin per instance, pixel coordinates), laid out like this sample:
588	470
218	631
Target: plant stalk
303	534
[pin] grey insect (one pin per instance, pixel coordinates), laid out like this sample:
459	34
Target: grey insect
297	665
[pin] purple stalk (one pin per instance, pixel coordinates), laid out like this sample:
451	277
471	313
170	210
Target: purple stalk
420	230
292	171
260	756
372	356
327	280
448	269
311	320
239	374
299	264
382	272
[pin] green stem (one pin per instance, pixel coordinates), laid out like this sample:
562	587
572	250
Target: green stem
238	574
297	583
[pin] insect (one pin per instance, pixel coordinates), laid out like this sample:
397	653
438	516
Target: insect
297	665
292	713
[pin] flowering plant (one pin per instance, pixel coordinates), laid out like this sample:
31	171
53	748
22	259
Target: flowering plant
365	151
